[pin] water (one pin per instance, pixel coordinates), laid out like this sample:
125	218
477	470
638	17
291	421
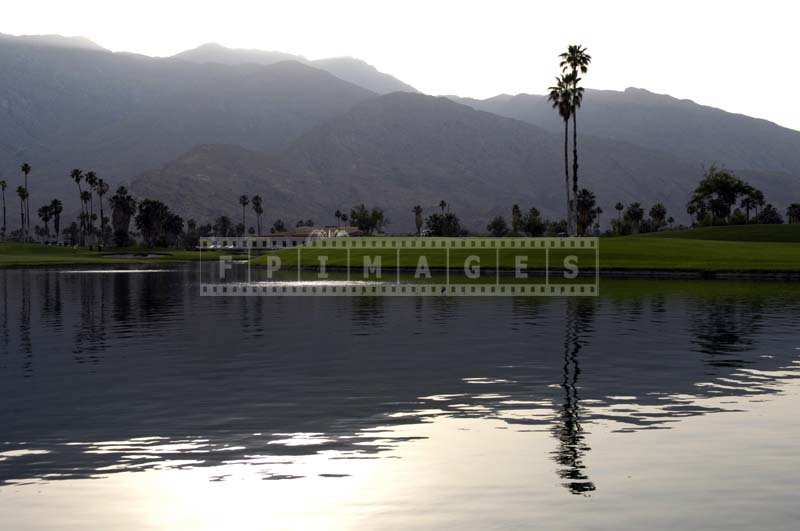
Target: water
130	402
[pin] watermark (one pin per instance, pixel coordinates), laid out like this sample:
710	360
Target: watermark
399	266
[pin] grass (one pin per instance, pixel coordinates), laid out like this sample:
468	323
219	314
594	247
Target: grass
630	253
26	254
738	249
739	233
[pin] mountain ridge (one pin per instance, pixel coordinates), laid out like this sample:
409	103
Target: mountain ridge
349	69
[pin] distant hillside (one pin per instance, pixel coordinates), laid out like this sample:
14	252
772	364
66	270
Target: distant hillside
403	149
58	41
216	53
689	131
121	114
208	180
362	74
349	69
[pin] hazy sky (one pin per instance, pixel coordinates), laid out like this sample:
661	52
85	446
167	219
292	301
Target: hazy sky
730	54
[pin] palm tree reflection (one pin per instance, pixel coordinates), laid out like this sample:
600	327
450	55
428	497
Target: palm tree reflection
567	428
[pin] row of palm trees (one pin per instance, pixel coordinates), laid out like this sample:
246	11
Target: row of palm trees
258	209
24	202
566	97
95	186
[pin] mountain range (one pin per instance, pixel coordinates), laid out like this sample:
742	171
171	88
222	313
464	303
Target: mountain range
202	127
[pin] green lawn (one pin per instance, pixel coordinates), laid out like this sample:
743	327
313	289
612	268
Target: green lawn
668	251
632	253
23	254
739	233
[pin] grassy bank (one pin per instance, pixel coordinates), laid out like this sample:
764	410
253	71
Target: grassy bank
713	249
23	254
737	233
630	253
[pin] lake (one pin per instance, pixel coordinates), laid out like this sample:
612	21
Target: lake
131	402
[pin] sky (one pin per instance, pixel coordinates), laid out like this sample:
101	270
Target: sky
718	53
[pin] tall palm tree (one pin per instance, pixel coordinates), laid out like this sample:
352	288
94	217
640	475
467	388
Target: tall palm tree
101	189
442	205
45	215
3	186
244	201
258	208
560	98
575	61
91	181
86	196
55	209
26	169
23	196
77	176
338	216
418	219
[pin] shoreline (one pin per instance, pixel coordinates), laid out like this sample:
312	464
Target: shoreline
612	273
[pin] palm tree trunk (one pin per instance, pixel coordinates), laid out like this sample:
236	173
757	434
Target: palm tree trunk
101	218
575	166
566	171
82	220
27	210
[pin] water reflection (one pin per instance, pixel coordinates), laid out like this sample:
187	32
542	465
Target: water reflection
137	372
568	430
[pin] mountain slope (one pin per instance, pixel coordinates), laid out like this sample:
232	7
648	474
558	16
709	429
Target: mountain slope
216	53
349	69
402	149
58	41
121	114
362	74
693	132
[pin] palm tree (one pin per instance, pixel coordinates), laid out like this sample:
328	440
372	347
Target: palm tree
597	212
244	201
793	213
418	219
26	169
619	207
23	196
86	196
748	204
101	189
585	203
559	97
338	216
758	197
658	215
45	214
91	180
575	60
77	175
55	209
3	186
634	215
123	207
259	210
442	205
